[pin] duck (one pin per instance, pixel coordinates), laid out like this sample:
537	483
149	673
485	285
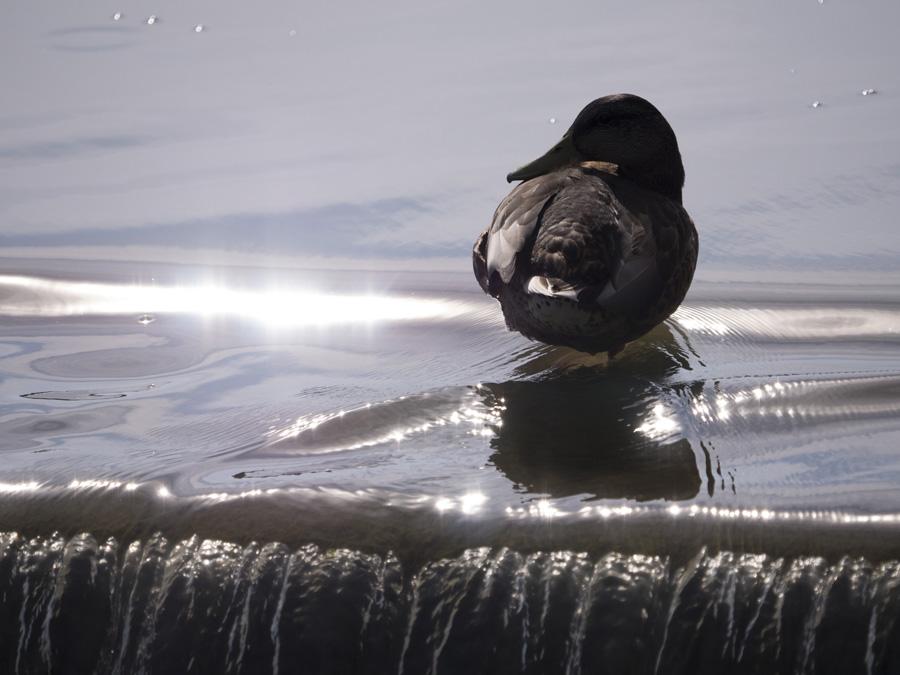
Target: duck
593	247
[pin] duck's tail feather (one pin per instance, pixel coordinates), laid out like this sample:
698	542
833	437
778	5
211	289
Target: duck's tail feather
552	287
635	283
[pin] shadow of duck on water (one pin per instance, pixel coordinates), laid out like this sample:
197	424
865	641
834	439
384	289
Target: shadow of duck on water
576	431
566	425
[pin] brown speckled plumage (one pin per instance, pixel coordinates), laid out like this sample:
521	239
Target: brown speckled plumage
597	251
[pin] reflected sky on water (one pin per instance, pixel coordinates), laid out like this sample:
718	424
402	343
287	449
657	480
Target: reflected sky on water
234	261
383	134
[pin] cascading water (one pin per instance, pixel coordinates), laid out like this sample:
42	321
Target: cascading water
204	606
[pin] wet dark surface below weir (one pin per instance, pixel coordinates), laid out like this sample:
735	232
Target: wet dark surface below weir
203	606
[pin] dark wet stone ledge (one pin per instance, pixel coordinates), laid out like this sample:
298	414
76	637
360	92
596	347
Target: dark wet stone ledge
203	605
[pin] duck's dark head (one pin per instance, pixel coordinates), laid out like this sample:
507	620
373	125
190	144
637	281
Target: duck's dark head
622	129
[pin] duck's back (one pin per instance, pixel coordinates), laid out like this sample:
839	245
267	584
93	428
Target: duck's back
584	236
622	254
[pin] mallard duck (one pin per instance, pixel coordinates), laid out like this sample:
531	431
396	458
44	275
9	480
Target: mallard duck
593	248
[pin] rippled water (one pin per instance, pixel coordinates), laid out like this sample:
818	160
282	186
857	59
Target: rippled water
415	395
241	346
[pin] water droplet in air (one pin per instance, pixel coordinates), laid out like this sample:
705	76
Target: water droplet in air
552	120
869	92
117	16
292	32
144	319
152	19
199	28
816	104
821	2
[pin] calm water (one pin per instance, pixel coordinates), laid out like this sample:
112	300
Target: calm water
251	395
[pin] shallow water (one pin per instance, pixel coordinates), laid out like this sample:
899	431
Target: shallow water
236	306
412	393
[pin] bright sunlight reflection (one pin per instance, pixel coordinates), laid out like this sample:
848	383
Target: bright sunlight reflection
660	424
469	503
29	296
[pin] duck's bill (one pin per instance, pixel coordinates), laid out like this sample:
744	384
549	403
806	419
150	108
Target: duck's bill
562	154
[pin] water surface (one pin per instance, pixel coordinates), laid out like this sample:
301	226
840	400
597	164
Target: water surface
238	321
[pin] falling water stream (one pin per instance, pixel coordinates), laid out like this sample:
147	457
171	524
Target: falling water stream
86	605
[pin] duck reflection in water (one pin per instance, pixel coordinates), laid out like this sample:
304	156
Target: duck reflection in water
583	432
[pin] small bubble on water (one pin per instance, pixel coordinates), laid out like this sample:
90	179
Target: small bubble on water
117	16
552	120
144	319
199	28
152	19
869	92
816	104
292	33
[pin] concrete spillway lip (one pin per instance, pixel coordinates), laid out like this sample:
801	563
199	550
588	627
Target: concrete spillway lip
425	528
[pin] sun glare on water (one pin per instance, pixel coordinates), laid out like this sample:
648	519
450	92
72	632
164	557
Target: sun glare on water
30	296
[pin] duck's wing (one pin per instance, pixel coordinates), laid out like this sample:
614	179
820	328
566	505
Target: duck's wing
675	246
512	230
674	236
592	248
655	277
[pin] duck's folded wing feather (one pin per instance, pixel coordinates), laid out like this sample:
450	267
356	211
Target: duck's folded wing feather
479	260
513	228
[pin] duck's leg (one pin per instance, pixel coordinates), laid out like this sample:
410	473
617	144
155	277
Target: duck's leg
611	354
